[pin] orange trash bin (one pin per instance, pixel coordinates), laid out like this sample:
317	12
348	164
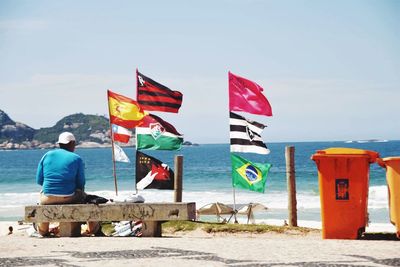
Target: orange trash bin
392	165
343	176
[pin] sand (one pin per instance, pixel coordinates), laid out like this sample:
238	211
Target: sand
195	248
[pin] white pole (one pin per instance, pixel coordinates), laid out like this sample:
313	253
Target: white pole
234	205
112	150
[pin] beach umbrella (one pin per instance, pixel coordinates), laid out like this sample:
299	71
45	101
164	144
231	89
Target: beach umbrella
249	209
216	209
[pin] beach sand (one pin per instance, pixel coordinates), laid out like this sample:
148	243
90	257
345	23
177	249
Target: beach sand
195	248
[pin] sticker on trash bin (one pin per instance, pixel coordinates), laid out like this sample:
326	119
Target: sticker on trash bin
342	189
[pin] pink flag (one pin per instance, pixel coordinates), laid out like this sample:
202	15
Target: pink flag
245	95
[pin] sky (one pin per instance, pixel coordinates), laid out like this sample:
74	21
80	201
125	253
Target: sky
330	69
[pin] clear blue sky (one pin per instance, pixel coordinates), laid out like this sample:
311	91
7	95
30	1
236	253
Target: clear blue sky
330	69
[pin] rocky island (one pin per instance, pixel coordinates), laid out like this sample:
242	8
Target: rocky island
90	131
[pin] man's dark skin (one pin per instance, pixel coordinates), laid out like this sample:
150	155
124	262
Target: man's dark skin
69	147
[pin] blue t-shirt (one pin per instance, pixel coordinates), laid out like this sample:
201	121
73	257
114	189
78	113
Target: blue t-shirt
60	172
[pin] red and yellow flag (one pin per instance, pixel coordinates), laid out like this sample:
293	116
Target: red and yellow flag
124	111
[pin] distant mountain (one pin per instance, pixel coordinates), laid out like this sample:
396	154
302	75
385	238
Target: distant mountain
14	131
86	128
89	130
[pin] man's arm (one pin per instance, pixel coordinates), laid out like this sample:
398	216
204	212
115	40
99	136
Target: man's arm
39	172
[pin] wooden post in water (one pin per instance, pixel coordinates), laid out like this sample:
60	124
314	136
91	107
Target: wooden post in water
291	185
178	178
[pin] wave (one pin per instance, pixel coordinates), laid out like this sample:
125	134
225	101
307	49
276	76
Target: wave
276	201
378	197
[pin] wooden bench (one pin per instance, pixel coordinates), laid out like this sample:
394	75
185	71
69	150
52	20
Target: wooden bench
151	214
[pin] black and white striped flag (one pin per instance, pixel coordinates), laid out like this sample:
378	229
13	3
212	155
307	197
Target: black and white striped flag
246	135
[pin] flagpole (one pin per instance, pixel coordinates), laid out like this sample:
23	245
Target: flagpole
137	92
234	193
113	160
112	151
233	188
136	165
234	204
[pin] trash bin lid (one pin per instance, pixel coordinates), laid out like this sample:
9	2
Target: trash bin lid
384	161
338	151
391	158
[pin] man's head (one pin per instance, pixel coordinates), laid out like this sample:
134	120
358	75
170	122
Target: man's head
66	140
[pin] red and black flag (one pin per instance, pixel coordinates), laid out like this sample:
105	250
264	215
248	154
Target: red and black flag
153	96
152	173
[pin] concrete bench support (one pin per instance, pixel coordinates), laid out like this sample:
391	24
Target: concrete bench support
151	214
70	229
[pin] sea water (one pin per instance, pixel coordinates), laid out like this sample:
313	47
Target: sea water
206	179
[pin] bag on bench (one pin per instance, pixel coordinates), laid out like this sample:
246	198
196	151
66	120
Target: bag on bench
93	199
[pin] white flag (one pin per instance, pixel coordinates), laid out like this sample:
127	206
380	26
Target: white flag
119	154
246	135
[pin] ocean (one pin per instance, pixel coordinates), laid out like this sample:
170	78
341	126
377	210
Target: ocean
206	179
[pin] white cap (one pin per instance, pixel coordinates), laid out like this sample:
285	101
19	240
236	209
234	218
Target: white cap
65	138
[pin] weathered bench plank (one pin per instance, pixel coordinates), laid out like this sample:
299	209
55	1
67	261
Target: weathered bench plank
151	214
111	212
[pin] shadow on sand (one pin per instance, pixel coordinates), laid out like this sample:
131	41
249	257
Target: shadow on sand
379	236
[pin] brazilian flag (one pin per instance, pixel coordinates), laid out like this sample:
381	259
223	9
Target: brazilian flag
248	175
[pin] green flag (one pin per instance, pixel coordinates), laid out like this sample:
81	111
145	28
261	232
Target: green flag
248	175
156	134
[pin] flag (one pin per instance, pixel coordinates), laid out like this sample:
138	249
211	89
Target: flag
152	173
120	133
157	134
124	111
245	95
153	96
119	154
246	135
248	175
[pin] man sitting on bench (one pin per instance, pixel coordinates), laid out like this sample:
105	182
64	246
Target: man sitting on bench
62	177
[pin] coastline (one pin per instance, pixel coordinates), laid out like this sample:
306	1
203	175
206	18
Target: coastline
201	192
16	146
195	248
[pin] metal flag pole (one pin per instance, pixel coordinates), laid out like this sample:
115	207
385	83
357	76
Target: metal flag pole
233	188
136	165
136	160
234	192
234	205
113	160
112	150
137	86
